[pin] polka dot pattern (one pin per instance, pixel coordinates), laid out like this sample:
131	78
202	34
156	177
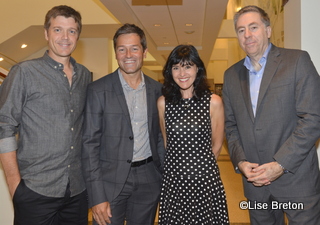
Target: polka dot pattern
192	191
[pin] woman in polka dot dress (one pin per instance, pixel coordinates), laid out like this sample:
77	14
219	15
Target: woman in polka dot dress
192	123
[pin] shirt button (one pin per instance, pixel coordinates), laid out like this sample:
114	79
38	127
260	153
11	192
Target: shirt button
71	110
68	166
72	128
65	75
71	147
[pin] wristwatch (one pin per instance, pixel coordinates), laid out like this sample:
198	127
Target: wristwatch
284	169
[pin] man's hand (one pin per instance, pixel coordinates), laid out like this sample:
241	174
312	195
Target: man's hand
246	169
268	172
102	213
11	170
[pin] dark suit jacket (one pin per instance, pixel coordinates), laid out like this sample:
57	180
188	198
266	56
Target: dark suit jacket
286	125
108	138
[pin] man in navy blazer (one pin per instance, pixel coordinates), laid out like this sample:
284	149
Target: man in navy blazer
123	148
272	110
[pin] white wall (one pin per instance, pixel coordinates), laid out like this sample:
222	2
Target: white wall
310	33
94	54
301	31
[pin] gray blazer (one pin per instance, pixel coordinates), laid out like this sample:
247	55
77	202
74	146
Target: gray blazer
108	138
286	125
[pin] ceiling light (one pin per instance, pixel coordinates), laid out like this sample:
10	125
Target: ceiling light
157	25
166	43
189	31
189	24
24	46
1	59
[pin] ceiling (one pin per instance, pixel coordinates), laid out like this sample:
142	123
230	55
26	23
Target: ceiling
205	16
195	22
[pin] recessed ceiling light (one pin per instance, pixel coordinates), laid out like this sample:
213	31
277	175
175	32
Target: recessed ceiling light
1	59
166	43
189	24
24	46
157	25
189	31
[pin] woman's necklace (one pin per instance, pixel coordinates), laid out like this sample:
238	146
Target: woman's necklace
185	102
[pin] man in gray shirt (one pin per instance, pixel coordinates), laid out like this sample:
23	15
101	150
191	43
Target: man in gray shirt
42	102
123	149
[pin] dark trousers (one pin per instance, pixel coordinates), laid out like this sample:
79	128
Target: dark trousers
299	211
31	208
138	201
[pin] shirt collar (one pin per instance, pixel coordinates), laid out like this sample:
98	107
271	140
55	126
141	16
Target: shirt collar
126	85
262	61
56	65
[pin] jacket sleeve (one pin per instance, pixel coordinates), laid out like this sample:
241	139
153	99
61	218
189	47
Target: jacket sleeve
92	132
307	103
235	148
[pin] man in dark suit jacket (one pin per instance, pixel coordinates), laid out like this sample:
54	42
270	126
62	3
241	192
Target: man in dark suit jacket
272	108
123	149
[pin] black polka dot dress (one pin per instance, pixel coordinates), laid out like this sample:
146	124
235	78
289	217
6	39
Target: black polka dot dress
192	191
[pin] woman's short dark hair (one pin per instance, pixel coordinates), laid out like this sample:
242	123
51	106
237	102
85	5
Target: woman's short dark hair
63	10
130	29
184	55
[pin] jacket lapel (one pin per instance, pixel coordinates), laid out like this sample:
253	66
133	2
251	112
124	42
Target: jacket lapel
120	96
245	89
150	98
273	62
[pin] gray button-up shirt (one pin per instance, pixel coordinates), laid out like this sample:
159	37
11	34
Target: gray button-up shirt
137	104
38	105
